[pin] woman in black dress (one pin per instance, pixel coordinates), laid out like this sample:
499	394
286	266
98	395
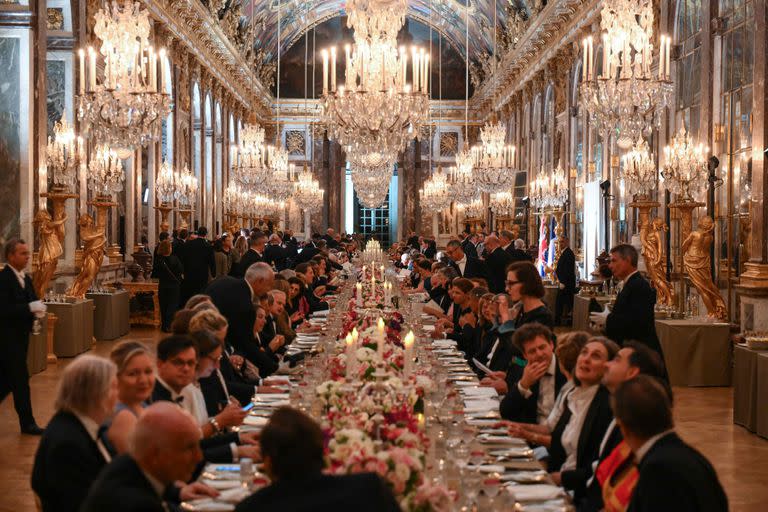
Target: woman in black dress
525	288
168	270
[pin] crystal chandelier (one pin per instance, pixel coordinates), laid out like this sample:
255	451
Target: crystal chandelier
462	180
502	204
186	190
165	183
473	210
307	192
639	169
550	190
105	172
232	201
626	97
64	155
375	105
493	159
436	194
280	185
250	168
685	169
125	108
371	173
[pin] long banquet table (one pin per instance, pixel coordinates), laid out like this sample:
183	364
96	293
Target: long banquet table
391	399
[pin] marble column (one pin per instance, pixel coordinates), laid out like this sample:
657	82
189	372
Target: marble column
333	195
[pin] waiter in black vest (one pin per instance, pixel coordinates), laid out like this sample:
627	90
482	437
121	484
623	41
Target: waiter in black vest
18	308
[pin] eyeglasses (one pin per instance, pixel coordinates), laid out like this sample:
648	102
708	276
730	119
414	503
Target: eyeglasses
511	283
179	363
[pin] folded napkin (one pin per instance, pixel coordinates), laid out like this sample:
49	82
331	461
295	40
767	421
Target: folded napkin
481	406
517	452
323	312
525	477
489	468
479	422
221	484
207	505
255	421
535	492
478	391
488	438
428	328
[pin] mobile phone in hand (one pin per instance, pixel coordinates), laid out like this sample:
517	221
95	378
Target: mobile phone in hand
522	363
248	407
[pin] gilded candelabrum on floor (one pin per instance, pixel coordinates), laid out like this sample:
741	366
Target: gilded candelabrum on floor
697	263
94	243
165	187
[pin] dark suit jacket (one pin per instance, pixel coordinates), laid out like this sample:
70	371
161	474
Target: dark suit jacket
469	248
514	406
15	316
232	297
122	487
430	251
67	463
674	476
632	315
496	262
593	498
347	493
599	416
198	261
518	254
473	268
249	258
276	255
214	393
566	270
307	253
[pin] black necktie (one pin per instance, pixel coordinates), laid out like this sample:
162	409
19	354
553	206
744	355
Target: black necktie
178	399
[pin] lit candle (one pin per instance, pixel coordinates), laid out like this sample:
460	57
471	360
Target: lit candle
81	53
661	57
590	68
606	71
380	337
364	268
355	335
382	272
92	68
333	68
426	73
348	70
408	354
422	70
152	70
359	296
584	61
325	71
667	56
415	69
351	359
421	421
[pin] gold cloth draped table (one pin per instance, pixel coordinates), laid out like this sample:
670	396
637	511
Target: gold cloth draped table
696	353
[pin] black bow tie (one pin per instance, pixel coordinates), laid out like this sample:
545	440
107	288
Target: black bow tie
178	399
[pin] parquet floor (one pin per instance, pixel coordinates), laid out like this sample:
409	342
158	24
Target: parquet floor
703	417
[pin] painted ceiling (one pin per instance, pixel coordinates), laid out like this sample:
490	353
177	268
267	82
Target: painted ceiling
445	16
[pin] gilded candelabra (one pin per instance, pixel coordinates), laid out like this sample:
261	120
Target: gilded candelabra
697	264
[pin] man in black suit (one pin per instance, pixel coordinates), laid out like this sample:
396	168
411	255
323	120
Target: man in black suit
18	308
254	254
413	240
234	299
531	385
291	244
629	362
177	246
199	265
330	239
310	250
275	254
292	449
165	449
673	475
465	265
632	315
469	245
565	270
496	261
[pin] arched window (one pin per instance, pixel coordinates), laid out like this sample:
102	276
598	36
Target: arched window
547	128
536	159
209	201
197	146
166	147
218	165
688	79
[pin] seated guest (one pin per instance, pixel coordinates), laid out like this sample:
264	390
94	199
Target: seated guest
225	379
587	413
195	300
525	288
268	335
279	313
271	347
177	360
298	306
615	470
275	254
254	254
135	383
164	449
441	300
462	325
673	476
532	384
490	345
568	349
305	272
234	299
292	449
71	454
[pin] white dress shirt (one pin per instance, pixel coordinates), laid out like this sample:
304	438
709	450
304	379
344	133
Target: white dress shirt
578	403
194	403
546	399
93	431
559	406
19	276
462	264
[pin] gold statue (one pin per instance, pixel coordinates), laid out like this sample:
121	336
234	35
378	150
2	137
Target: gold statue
94	243
51	234
652	237
696	262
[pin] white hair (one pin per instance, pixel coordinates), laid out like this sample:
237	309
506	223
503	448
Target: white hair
259	272
519	243
84	384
